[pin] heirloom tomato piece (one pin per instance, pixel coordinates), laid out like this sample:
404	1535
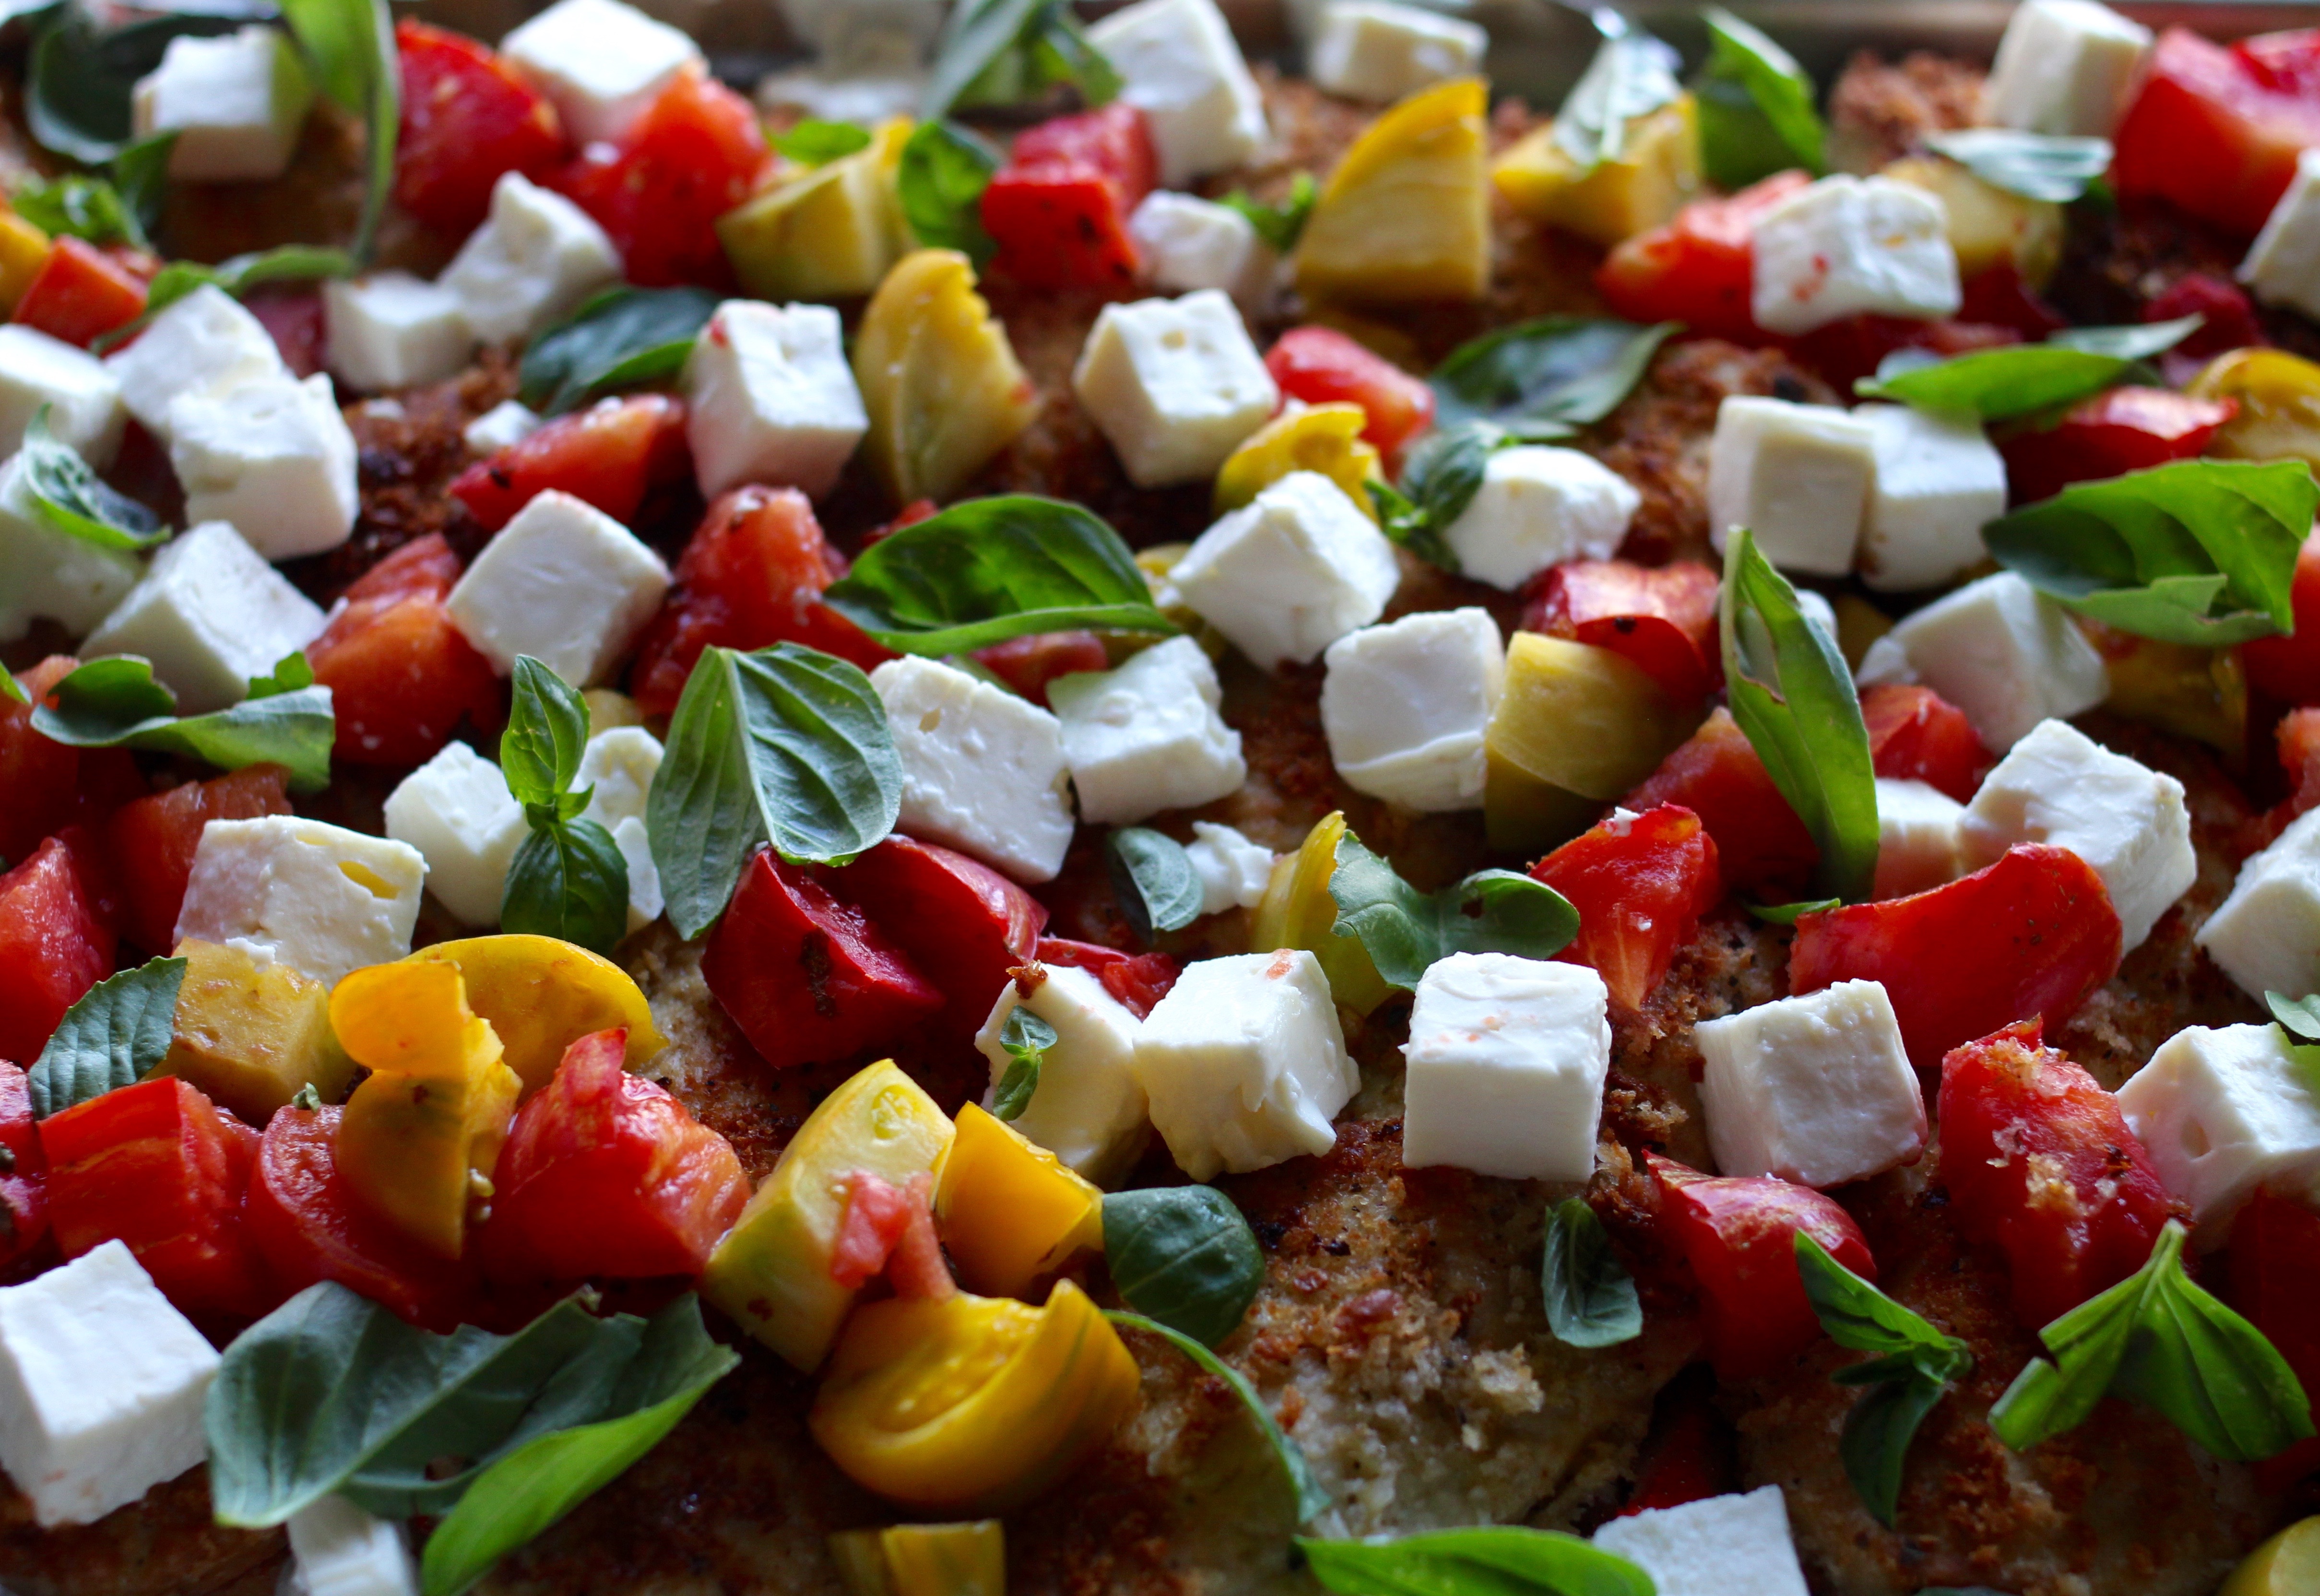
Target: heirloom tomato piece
1136	981
1761	845
401	677
23	1185
890	1230
1405	215
695	153
46	786
608	455
250	1034
925	1559
1298	911
1916	735
467	117
151	842
2118	430
1691	1453
1662	617
540	995
1323	439
2289	1564
1058	209
2274	1258
1011	1211
1640	884
964	925
56	939
81	292
2216	129
2289	667
1695	269
1322	365
1028	664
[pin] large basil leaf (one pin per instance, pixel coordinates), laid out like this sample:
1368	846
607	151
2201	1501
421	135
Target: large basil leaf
1183	1255
1631	75
1405	930
2036	166
621	337
67	496
2198	551
1590	1298
786	746
119	1029
352	43
1006	52
81	72
1755	105
1541	379
939	183
116	703
2023	379
1501	1560
1153	877
1310	1496
569	880
984	571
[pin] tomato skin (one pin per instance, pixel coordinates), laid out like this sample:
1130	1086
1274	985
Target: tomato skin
2228	322
1693	1456
1058	210
2286	667
1662	619
2217	130
293	317
695	153
1845	352
1136	981
1996	296
1696	268
401	677
2273	1264
1640	887
2032	935
888	1229
1916	735
1322	365
151	844
1029	664
2117	431
55	940
608	455
961	923
46	787
467	117
1114	139
24	1188
80	294
1761	845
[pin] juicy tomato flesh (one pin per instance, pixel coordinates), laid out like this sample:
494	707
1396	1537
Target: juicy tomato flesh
889	1230
609	455
1322	365
1029	664
2286	667
1136	981
1058	210
151	843
24	1187
1761	845
1691	1455
46	787
1996	296
1661	619
467	117
693	155
56	939
1640	887
963	924
401	677
80	294
1695	269
1916	735
2216	129
2227	321
2116	431
1114	139
2273	1274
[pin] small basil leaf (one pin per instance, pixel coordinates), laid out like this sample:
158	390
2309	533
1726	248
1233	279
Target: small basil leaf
2025	379
12	689
1557	371
1779	89
81	73
118	1030
1788	914
939	183
1404	930
1183	1255
291	673
817	143
1007	52
1153	877
1281	225
547	734
570	881
1502	1560
116	703
1439	482
67	496
140	176
1856	1314
2136	341
634	329
1874	1447
1738	144
351	44
1590	1297
1309	1495
76	205
2299	1017
1027	1039
2036	166
1632	75
290	263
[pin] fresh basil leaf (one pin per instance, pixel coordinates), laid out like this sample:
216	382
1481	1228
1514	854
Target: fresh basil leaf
65	495
570	881
2036	166
76	205
11	688
547	734
116	703
118	1030
1308	1492
1874	1446
578	359
1405	930
786	746
1793	696
939	182
141	175
1153	877
1542	377
351	44
1590	1297
1779	90
1738	144
2198	551
817	143
1281	225
1027	1039
1788	914
1183	1256
2134	341
1438	481
290	673
81	72
2299	1017
2025	379
1007	52
1632	75
1856	1314
1499	1560
289	263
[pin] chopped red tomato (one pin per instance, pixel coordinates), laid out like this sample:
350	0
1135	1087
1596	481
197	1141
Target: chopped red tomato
2116	431
80	294
2287	667
805	976
1640	887
607	1176
1322	365
888	1229
2039	1163
1029	664
1916	735
1848	350
1996	296
2031	935
1662	619
2227	321
961	923
1136	981
1739	1237
24	1184
1058	209
1696	268
1690	1455
293	317
467	117
151	844
55	941
608	455
401	677
156	1165
46	787
693	155
2274	1280
1115	139
1761	845
2216	129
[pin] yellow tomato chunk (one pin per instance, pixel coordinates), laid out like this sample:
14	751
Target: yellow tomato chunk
2280	405
1296	911
250	1034
1010	1210
923	1559
542	995
939	378
829	233
1407	215
1654	174
1323	438
2287	1565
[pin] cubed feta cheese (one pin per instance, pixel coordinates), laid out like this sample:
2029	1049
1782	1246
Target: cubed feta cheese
1405	707
1538	507
84	399
2004	653
237	104
1373	50
273	457
48	575
2064	66
646	899
1796	475
1852	246
1180	65
1174	383
1190	243
2266	935
1815	1089
392	329
339	1550
1088	1107
564	583
982	770
456	812
1918	843
102	1383
2126	819
1233	871
600	63
536	256
1290	572
2222	1111
2283	264
1507	1060
1718	1545
1244	1063
1146	737
770	398
206	340
209	613
319	898
1936	481
618	766
502	426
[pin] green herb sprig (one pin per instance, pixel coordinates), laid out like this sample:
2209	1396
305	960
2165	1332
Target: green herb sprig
2036	166
1025	1039
1309	1495
1631	75
1498	1560
1755	106
65	495
993	53
939	182
1405	932
569	879
623	338
1153	877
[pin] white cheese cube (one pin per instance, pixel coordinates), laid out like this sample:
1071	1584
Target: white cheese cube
770	398
1188	244
2064	66
1290	572
1538	507
392	330
1233	871
1796	475
273	457
1815	1089
536	256
1373	50
564	583
2283	264
1088	1107
2123	818
2004	653
618	767
1719	1546
1917	843
209	613
1405	707
2266	935
207	341
456	812
48	575
84	399
646	899
602	64
339	1550
320	899
1146	737
1852	246
502	426
1244	1063
2222	1111
1174	383
982	770
237	104
1937	480
1507	1060
102	1383
1180	65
